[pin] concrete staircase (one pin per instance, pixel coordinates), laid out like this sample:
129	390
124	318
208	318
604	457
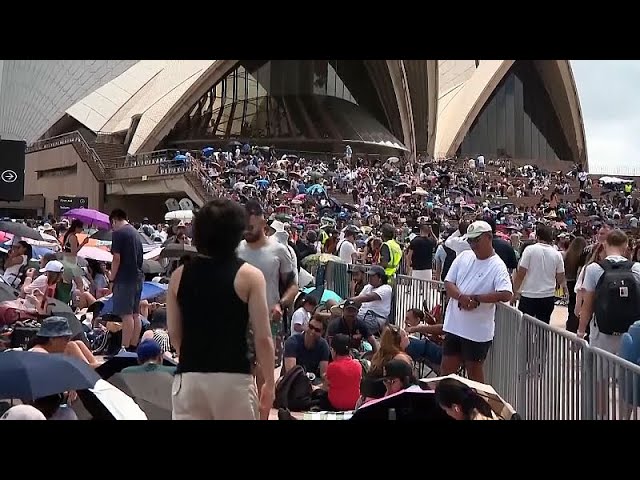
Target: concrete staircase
111	154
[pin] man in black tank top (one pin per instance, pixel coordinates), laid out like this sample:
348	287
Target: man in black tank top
214	378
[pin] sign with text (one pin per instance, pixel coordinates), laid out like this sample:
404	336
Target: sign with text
12	155
66	203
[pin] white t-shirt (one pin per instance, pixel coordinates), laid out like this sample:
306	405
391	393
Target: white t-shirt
475	277
542	262
380	307
456	243
346	251
300	317
40	283
11	273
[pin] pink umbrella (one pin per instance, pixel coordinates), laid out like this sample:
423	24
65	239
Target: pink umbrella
301	197
95	253
90	217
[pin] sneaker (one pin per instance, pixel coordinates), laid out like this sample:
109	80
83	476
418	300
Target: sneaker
284	414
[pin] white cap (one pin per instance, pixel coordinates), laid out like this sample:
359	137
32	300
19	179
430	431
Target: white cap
53	266
23	412
476	229
277	225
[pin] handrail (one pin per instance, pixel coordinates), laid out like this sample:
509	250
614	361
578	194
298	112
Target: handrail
88	154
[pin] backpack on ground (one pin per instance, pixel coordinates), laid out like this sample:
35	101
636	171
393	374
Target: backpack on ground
293	391
617	297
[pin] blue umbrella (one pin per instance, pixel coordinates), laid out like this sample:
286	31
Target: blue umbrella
207	151
315	189
326	295
38	252
31	375
149	290
262	183
180	158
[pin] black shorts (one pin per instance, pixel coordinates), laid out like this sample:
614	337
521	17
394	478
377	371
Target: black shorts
467	350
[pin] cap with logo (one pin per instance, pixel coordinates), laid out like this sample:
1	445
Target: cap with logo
476	229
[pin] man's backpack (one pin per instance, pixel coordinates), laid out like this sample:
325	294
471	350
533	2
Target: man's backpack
617	298
446	265
293	391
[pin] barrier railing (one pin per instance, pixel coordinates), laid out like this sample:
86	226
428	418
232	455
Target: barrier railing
544	372
612	387
551	370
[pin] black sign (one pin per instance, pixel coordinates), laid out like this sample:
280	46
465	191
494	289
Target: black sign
67	203
12	170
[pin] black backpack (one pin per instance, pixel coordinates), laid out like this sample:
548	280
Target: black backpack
451	256
293	391
617	298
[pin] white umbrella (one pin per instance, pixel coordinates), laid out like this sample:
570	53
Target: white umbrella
393	159
119	404
184	215
151	254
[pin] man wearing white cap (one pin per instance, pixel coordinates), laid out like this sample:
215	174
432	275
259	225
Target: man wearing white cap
476	281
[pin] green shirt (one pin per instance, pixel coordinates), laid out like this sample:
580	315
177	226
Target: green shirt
150	367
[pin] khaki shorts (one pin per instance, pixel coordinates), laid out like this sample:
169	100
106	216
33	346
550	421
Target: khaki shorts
608	343
214	396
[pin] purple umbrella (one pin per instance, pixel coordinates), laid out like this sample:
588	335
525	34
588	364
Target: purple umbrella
93	218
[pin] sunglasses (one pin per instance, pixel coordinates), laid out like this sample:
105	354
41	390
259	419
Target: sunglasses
473	241
315	329
389	381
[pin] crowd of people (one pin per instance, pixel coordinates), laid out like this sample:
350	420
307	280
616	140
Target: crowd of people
274	219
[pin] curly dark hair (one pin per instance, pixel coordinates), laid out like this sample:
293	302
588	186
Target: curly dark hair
218	228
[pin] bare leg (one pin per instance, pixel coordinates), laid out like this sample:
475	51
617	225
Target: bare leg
475	371
86	299
137	330
80	351
127	330
144	308
450	364
102	292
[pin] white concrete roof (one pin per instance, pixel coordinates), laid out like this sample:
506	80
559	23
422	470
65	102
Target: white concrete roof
35	93
465	91
150	88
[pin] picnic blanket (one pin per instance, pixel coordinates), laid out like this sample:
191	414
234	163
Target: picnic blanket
314	415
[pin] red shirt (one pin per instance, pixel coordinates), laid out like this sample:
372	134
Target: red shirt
344	375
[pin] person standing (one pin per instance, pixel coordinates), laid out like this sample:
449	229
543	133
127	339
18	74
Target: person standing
541	269
347	251
273	260
390	252
476	281
214	379
420	253
126	277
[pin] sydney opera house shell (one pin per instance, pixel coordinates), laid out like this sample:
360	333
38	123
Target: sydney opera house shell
35	93
526	110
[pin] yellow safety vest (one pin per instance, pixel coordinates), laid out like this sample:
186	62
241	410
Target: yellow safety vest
627	188
395	252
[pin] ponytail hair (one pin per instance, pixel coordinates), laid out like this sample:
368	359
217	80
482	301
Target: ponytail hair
451	392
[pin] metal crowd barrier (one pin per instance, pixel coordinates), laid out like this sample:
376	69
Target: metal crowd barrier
544	372
413	293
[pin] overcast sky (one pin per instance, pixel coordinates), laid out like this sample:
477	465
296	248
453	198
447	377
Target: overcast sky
608	92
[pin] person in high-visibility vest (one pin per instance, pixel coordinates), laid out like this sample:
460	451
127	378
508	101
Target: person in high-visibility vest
628	187
391	252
